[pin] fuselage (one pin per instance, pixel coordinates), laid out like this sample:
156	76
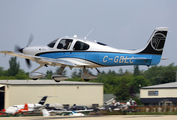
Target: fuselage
16	108
94	54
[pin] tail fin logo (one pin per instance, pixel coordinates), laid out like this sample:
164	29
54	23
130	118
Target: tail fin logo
158	41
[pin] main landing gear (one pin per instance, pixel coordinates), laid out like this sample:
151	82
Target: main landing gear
86	76
59	77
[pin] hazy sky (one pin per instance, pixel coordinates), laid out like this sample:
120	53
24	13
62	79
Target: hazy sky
125	24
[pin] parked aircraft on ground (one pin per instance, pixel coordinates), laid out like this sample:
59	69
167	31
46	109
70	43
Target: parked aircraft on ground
74	52
70	113
24	108
75	110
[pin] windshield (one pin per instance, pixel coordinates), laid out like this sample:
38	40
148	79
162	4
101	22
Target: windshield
51	44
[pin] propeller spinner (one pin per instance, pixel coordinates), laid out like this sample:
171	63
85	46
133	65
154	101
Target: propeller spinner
18	49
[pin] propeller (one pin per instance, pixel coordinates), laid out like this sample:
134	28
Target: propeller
28	63
18	49
30	39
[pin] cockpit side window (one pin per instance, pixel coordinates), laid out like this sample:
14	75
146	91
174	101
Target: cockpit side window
65	44
51	44
81	46
60	46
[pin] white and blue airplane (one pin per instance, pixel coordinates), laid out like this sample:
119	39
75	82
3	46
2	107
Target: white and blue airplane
74	52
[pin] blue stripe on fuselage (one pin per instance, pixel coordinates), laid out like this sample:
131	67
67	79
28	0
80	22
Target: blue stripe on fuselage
108	58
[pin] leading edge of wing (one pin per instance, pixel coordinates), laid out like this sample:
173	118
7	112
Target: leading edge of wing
41	60
17	54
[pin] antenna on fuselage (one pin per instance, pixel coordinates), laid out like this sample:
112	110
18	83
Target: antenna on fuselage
88	34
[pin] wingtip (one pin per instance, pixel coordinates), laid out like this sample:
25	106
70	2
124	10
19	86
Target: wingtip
5	51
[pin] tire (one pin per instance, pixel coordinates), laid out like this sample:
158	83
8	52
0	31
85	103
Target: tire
57	81
86	79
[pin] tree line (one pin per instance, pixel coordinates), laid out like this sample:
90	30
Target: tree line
123	84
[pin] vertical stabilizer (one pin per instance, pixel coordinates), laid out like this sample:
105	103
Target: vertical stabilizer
156	42
26	106
42	101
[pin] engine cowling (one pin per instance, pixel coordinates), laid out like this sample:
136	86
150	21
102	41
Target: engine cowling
36	75
59	78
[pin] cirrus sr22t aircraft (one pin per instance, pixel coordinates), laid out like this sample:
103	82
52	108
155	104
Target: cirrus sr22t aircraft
73	52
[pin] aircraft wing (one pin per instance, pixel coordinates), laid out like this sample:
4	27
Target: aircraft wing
42	60
65	111
38	107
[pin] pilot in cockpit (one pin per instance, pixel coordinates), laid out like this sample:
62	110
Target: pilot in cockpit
67	44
